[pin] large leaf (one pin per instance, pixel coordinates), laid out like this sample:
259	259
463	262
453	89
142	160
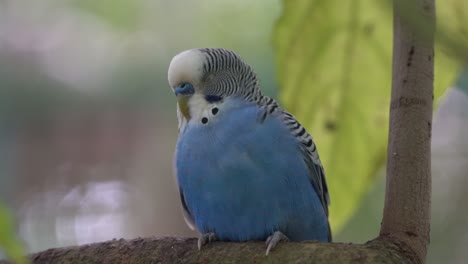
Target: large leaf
334	69
8	241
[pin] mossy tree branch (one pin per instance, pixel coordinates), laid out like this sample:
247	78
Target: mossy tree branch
184	250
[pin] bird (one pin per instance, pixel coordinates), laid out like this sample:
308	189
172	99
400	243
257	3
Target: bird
246	169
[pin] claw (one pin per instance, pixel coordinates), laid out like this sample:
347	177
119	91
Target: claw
205	239
273	240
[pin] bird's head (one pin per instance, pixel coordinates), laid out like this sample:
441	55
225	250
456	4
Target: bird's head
210	74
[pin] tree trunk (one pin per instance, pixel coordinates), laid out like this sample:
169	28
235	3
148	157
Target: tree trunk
407	198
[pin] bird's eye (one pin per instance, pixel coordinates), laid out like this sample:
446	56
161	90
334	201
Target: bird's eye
184	88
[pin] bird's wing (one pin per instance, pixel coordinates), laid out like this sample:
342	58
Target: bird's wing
311	158
307	145
187	215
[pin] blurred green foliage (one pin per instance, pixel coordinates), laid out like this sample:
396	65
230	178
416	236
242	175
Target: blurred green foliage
334	69
8	241
122	14
452	33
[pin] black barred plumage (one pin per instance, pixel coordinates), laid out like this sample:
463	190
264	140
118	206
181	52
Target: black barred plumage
226	74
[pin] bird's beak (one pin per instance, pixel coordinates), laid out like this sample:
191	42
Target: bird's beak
183	105
183	93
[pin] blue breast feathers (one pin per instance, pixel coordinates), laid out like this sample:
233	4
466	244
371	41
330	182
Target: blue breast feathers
244	179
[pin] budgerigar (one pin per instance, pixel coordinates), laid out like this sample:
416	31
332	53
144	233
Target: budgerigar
246	169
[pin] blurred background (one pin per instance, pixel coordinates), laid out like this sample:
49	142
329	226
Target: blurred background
88	122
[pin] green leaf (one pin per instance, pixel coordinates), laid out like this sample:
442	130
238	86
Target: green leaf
8	241
334	68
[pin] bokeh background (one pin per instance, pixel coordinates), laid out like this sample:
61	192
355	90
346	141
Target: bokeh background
88	124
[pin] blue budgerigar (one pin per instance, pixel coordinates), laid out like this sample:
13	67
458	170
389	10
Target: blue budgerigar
246	168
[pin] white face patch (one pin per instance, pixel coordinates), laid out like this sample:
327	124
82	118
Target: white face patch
186	66
202	111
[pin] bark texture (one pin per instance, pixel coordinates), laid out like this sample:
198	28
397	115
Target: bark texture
408	191
184	250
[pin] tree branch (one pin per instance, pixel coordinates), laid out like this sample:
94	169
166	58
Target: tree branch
407	198
184	250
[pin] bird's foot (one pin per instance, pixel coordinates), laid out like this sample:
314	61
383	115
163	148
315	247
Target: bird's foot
205	239
273	240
